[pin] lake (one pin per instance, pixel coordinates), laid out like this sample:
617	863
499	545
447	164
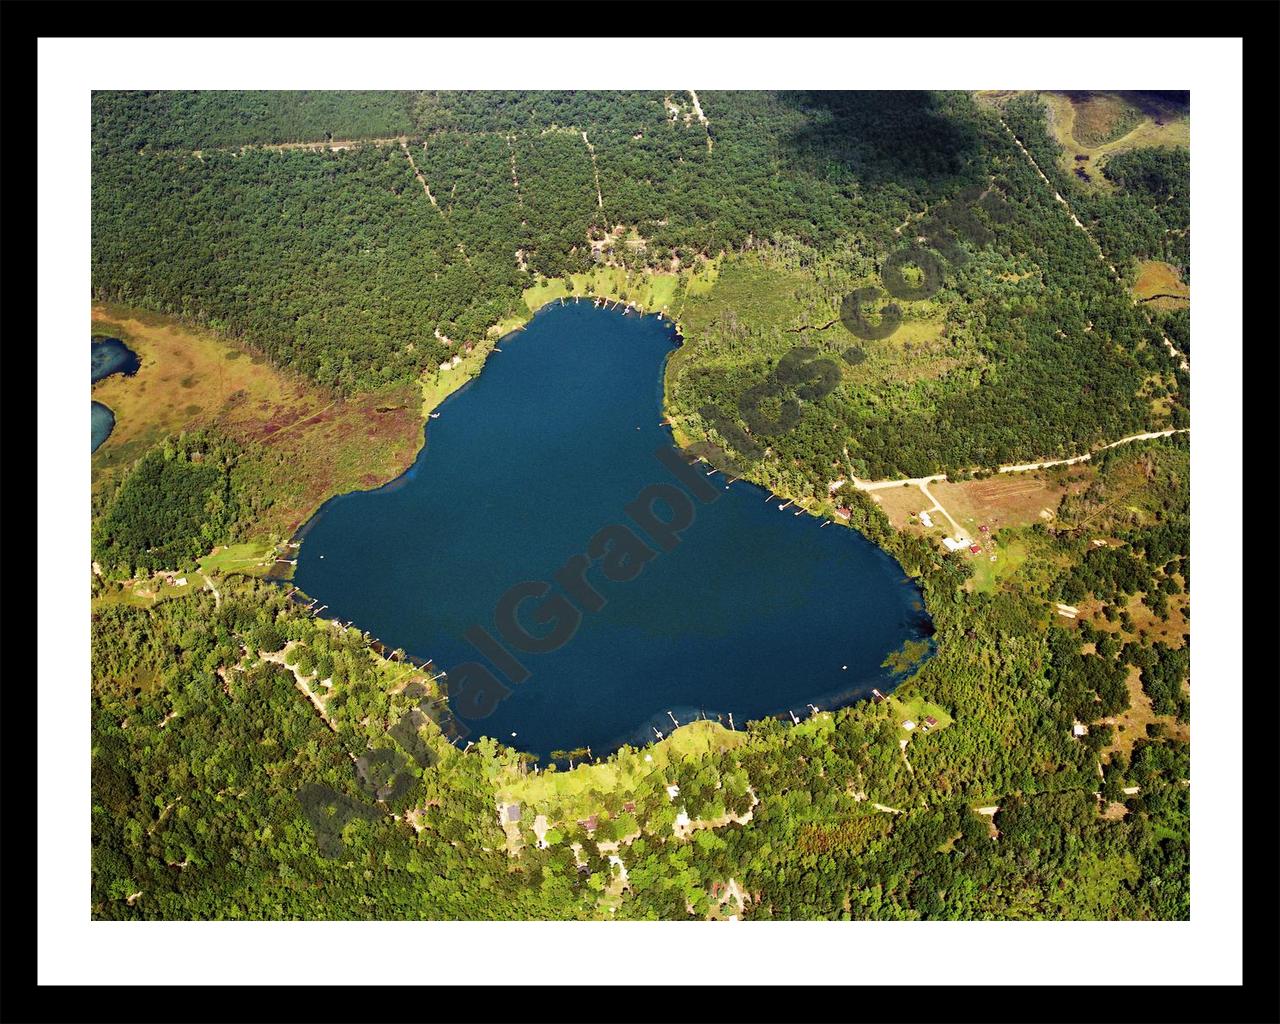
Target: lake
108	356
754	611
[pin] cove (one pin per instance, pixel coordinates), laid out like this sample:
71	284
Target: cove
754	612
107	356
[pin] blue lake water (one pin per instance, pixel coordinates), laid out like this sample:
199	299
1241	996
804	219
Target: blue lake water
754	611
108	356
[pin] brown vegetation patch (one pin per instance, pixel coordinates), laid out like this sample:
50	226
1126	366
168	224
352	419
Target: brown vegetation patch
310	443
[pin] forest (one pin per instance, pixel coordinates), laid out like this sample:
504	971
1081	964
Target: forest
241	745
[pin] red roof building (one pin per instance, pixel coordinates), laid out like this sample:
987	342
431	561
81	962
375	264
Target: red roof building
975	549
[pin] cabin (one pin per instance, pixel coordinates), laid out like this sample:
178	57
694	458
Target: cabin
952	544
930	722
974	549
908	725
591	823
513	812
1079	729
629	806
924	518
842	511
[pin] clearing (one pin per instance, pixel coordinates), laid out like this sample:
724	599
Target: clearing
1159	285
1096	125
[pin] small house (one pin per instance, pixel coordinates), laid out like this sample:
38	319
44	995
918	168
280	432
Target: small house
930	722
974	549
1079	729
591	823
629	806
513	812
924	518
908	725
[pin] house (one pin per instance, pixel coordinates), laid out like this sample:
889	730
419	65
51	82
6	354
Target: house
673	791
591	823
842	511
924	518
930	722
629	806
1079	729
513	812
953	545
908	725
974	549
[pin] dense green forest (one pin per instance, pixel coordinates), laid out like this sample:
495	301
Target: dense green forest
253	762
206	756
339	264
179	500
1149	214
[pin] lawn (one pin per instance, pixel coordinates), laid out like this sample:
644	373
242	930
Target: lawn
254	558
987	573
914	708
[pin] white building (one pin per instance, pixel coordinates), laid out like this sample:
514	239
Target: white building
924	518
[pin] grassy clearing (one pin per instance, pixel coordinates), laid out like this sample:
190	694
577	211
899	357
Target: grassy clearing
1131	726
1086	124
1009	499
563	795
440	384
253	558
1159	285
914	709
987	573
652	291
306	444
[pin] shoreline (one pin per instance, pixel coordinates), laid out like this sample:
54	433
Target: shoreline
642	735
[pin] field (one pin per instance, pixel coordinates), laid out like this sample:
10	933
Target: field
191	378
998	560
1096	125
1159	286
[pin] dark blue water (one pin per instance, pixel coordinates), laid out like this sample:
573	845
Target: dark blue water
754	612
108	356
